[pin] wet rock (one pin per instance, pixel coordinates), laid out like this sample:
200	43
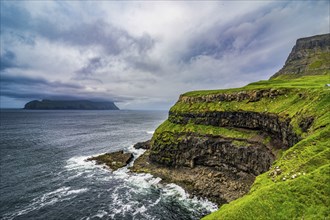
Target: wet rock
113	160
142	145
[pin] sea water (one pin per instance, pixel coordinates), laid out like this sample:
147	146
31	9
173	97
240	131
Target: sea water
44	173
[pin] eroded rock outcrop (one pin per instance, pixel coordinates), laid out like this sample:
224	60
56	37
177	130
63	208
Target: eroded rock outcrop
142	145
271	123
190	150
251	96
114	160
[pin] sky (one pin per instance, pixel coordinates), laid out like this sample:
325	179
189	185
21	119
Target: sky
144	54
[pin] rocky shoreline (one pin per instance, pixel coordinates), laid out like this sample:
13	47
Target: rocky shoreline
217	185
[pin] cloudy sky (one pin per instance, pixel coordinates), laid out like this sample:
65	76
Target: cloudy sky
144	54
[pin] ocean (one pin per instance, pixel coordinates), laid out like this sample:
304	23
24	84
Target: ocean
44	173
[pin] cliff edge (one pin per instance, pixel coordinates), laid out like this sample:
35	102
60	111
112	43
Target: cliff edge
309	56
261	151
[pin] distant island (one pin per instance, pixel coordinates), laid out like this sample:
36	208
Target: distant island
70	105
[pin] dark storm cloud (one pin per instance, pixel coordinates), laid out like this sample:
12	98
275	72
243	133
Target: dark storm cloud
147	52
24	80
29	87
7	60
14	17
144	64
39	88
221	39
88	71
114	40
91	67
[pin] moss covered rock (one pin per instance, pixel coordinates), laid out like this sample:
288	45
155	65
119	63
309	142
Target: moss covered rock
113	160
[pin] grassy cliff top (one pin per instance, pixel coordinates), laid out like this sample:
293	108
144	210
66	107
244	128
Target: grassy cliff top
297	185
304	82
168	126
303	97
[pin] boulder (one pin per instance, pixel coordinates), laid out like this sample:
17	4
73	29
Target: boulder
114	160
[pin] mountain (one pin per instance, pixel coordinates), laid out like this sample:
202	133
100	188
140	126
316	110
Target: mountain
261	151
70	104
309	56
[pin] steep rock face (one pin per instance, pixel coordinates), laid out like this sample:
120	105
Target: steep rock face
192	150
270	123
310	55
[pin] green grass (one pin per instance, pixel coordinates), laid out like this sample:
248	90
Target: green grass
302	189
167	126
300	100
303	82
304	197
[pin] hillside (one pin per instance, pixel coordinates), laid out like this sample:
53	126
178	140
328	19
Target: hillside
261	151
69	105
309	56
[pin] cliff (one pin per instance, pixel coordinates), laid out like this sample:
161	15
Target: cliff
70	105
261	151
309	56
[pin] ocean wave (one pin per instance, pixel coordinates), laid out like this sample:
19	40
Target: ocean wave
136	185
173	190
142	184
79	162
136	153
47	199
150	132
100	214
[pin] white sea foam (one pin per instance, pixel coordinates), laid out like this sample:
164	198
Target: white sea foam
140	210
150	132
178	192
100	214
136	152
143	182
79	162
175	190
47	199
77	191
122	200
206	204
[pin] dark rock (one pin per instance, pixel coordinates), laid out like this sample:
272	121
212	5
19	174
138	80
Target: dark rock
142	145
306	123
113	160
307	51
251	96
200	181
221	154
269	123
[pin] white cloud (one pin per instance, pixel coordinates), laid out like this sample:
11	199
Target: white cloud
144	54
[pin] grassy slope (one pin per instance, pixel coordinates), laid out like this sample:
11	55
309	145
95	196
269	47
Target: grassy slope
167	126
302	189
305	96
